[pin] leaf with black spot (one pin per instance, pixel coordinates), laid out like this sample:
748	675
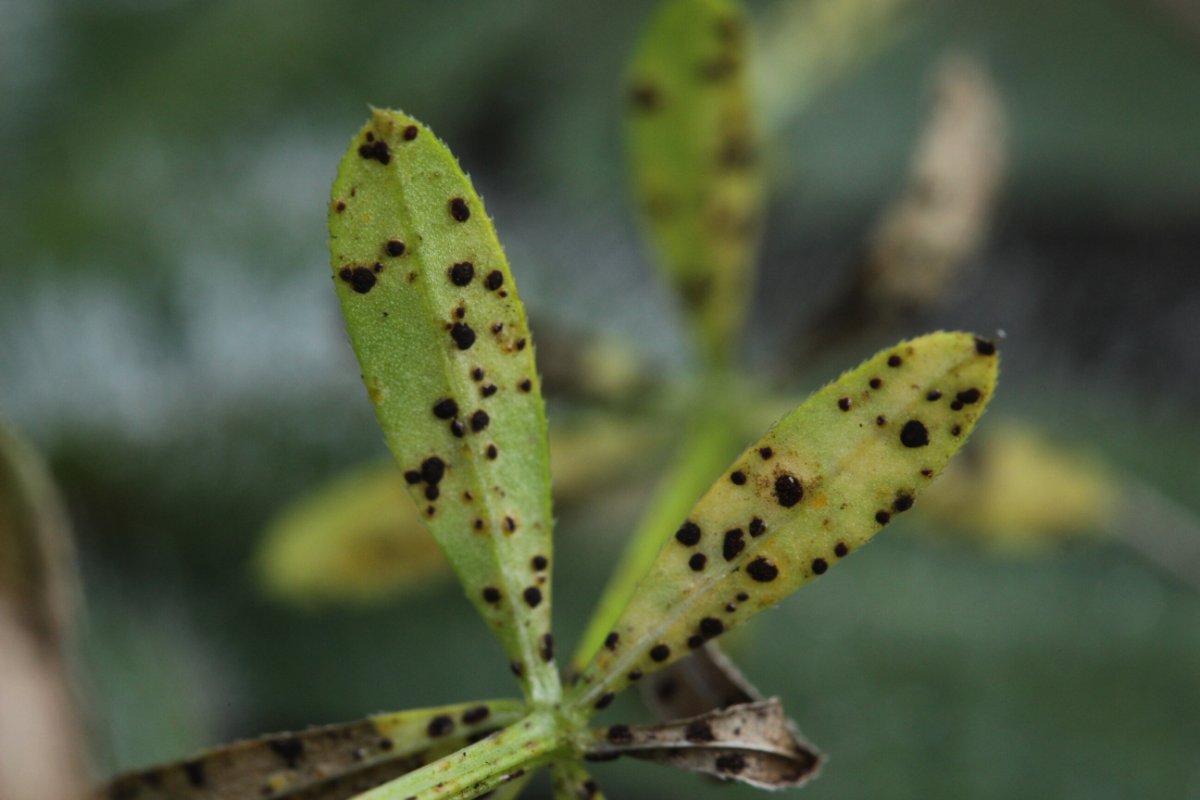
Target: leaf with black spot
418	363
830	474
694	150
330	762
752	743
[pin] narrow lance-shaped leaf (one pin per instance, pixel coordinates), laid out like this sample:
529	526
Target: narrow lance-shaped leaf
694	153
817	487
445	352
326	763
752	743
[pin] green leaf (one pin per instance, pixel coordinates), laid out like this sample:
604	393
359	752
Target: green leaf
358	538
325	763
572	782
817	487
446	356
694	152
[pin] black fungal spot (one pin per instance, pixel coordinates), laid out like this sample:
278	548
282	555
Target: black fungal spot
445	408
927	473
788	491
956	430
533	596
491	452
604	701
377	268
894	360
460	312
933	395
738	477
494	280
742	597
517	668
697	562
489	390
757	527
985	347
660	653
841	550
635	675
611	640
340	207
195	773
645	97
432	493
476	715
462	335
394	248
432	469
525	385
497	327
410	133
521	344
819	565
539	563
430	511
457	428
875	383
547	647
699	731
968	396
361	279
459	209
766	453
903	502
762	571
440	725
914	434
734	544
844	404
619	734
688	534
479	420
956	405
462	273
478	524
291	750
881	420
491	594
882	517
412	476
377	150
731	763
510	524
477	373
694	642
711	626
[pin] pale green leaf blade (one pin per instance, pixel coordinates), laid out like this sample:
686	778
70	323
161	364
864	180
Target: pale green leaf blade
324	763
694	153
446	356
818	486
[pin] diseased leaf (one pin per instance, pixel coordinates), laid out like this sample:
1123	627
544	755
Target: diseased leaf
751	743
704	680
818	486
694	152
572	782
358	538
325	763
446	356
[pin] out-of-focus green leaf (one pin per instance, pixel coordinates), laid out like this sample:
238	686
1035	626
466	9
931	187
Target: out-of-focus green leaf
817	487
695	156
331	762
358	538
446	356
572	782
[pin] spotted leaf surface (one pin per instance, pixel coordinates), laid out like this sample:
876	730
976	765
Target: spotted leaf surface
751	743
817	487
326	763
446	356
694	153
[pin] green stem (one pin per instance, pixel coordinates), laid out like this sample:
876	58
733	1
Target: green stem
475	770
711	442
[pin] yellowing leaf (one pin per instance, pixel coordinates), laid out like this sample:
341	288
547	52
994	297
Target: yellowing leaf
694	151
817	487
446	356
358	538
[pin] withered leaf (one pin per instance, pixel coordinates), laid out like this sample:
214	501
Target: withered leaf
752	743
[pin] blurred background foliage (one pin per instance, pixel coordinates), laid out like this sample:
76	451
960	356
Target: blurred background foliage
169	341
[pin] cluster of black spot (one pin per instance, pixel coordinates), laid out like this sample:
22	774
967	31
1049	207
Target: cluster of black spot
699	731
619	734
757	527
611	641
985	347
635	675
765	453
440	725
377	150
762	570
488	390
494	280
491	594
431	473
933	395
491	452
361	279
875	383
841	550
394	248
539	563
660	653
459	209
477	373
844	403
547	647
894	360
956	430
525	385
479	420
688	534
731	763
461	273
533	596
697	562
463	335
883	517
788	490
914	434
410	133
903	502
604	701
819	565
445	408
510	524
733	544
475	715
881	420
965	398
